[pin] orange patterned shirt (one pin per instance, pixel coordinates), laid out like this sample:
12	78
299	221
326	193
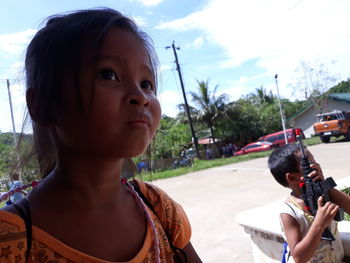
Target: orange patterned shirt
47	249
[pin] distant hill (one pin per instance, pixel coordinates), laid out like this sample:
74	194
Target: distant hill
341	87
6	138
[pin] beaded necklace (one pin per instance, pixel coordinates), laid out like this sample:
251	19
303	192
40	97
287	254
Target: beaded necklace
143	206
131	190
307	215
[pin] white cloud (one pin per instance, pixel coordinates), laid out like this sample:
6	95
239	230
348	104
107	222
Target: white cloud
247	79
168	101
279	34
140	21
165	67
149	2
17	70
234	92
228	63
196	43
15	43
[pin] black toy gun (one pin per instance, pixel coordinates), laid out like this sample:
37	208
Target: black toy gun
311	190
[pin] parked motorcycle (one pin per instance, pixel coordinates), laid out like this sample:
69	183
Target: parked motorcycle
184	161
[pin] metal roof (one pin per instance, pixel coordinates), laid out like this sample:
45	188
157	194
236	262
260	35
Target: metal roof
344	97
340	97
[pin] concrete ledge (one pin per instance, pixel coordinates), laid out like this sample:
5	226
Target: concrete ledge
263	226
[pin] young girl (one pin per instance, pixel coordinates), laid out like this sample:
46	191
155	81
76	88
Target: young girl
91	94
301	230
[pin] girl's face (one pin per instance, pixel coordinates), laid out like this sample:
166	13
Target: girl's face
120	108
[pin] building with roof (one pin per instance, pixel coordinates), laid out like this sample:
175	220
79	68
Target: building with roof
306	117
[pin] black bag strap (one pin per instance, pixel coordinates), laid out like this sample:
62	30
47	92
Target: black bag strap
148	203
24	210
142	196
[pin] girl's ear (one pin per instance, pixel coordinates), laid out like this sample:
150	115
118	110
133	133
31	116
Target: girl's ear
37	115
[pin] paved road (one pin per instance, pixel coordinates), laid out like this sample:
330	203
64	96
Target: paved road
212	199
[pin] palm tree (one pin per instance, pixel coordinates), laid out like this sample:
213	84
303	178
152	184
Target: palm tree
182	115
261	97
209	107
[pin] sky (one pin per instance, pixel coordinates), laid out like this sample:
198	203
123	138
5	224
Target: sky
238	45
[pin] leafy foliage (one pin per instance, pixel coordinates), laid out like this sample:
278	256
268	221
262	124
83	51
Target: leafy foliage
239	122
314	80
209	107
347	191
17	158
7	154
341	87
242	122
171	138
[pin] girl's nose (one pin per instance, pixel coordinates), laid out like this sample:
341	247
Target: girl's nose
137	97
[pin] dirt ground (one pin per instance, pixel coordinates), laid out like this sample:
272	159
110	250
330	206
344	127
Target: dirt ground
214	197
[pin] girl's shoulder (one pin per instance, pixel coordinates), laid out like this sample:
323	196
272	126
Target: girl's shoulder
170	214
11	224
9	214
160	201
152	191
12	234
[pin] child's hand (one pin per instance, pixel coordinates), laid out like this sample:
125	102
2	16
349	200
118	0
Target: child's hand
325	213
316	174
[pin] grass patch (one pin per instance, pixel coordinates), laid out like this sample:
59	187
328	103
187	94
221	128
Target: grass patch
205	164
312	141
316	140
201	165
347	191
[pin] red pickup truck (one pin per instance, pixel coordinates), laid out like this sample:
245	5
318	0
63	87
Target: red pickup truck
335	123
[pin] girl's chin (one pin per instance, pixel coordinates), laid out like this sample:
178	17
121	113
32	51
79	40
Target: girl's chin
136	152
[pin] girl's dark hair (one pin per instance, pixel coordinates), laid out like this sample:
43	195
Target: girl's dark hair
55	54
283	160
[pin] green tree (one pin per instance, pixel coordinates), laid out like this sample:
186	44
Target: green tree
209	107
255	115
341	87
20	158
172	136
270	118
314	80
242	123
261	97
7	154
182	115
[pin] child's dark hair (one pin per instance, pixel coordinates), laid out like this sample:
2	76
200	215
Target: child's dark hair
283	160
55	54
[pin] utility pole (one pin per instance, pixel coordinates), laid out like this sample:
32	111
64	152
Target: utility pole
12	118
281	111
194	138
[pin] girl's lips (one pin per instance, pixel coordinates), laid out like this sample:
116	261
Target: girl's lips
140	120
139	123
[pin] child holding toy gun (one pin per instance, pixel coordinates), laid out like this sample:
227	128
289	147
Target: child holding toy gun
300	229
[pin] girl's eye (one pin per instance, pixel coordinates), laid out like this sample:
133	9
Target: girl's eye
146	84
107	75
